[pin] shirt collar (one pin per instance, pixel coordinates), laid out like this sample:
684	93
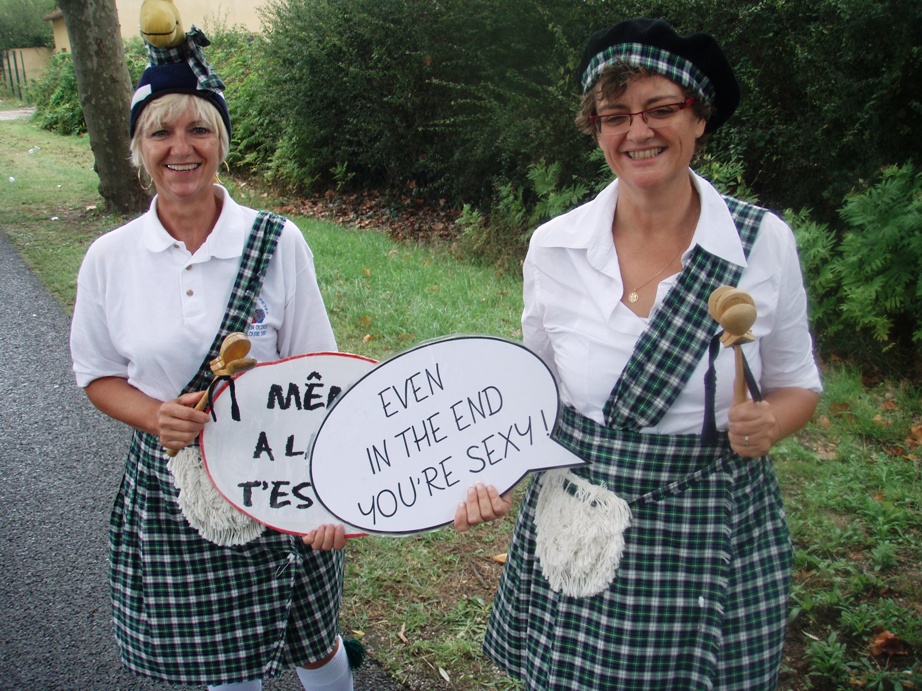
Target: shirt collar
589	226
716	232
224	242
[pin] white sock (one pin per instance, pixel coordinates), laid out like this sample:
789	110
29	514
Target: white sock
333	676
252	685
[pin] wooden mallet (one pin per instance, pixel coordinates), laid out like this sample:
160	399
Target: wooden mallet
735	311
232	359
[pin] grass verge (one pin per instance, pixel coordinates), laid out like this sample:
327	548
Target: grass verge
852	479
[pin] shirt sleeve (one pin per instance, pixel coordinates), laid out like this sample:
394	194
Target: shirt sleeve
306	326
93	352
534	335
787	349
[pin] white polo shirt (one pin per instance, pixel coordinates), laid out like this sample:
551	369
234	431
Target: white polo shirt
148	310
574	318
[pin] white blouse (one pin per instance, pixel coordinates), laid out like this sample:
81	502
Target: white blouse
575	321
148	310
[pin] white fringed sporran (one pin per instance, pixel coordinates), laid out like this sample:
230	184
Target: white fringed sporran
580	533
206	509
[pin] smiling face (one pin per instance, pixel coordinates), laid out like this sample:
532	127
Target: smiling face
180	144
650	160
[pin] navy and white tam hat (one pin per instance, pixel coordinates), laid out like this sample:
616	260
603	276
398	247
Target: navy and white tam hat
179	70
695	62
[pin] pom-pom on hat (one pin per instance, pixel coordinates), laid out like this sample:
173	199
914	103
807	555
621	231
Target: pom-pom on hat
694	62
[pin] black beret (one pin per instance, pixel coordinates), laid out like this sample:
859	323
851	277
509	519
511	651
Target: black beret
173	78
695	61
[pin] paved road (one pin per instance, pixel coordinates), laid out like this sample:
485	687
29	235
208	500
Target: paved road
17	113
60	463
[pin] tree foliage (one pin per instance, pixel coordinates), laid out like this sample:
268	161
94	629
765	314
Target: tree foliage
458	98
454	100
472	102
863	280
55	95
22	26
57	101
880	257
448	97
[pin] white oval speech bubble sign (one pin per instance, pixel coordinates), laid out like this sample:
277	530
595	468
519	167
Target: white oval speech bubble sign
399	450
259	462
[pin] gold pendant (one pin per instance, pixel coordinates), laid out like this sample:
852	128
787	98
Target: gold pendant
633	297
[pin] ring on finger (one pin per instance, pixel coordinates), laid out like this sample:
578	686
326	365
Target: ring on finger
746	440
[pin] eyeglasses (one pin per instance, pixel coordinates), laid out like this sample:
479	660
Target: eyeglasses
619	123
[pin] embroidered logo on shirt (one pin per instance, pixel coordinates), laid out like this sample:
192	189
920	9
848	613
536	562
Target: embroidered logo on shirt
258	327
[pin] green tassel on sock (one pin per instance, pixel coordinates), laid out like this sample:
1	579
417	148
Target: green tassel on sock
355	652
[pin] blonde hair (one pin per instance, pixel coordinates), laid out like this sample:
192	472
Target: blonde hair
170	107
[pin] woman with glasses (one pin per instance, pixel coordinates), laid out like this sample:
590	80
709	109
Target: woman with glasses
665	562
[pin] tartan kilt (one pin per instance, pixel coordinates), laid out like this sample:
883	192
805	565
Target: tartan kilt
188	611
699	600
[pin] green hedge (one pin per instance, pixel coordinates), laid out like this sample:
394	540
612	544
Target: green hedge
456	100
472	103
863	279
57	104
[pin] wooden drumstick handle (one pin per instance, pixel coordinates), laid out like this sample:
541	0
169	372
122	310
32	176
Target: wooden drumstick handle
740	389
735	311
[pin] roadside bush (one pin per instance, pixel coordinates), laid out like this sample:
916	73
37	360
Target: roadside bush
864	283
349	84
826	100
22	26
453	100
509	99
880	258
447	99
816	247
500	236
57	104
239	57
57	107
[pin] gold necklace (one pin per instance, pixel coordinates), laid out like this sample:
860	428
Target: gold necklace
633	297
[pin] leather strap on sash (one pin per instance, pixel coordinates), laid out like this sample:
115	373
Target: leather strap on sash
709	427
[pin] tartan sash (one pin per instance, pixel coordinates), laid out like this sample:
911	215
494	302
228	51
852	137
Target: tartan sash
679	333
256	255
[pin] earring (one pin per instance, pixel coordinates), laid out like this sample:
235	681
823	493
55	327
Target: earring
217	178
142	184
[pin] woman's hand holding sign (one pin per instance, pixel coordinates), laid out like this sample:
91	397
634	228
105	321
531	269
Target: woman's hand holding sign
483	504
326	537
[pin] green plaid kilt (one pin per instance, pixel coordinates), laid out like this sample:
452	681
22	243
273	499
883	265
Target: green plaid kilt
699	599
188	611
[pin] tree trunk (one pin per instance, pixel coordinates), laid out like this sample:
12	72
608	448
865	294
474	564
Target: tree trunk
105	89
